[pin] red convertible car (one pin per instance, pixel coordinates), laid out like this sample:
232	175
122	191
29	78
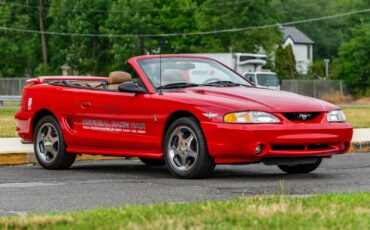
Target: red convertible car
187	112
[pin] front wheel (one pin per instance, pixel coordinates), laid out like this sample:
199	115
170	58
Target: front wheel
304	168
49	146
186	153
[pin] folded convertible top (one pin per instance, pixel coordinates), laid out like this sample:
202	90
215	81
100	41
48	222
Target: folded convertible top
40	80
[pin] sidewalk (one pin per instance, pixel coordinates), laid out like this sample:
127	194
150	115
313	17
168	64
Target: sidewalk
361	140
12	151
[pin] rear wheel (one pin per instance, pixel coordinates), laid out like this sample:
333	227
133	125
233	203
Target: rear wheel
304	168
152	161
49	146
186	153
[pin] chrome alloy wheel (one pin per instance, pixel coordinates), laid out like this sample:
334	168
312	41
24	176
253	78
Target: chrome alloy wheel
47	142
183	148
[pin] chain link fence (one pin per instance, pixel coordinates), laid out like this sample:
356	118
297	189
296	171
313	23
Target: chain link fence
12	86
314	88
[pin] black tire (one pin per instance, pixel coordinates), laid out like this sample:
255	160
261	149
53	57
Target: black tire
299	169
50	150
152	161
197	165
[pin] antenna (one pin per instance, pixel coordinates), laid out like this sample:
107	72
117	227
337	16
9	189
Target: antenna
160	70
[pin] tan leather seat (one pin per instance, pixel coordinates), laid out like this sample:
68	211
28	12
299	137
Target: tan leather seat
170	76
116	78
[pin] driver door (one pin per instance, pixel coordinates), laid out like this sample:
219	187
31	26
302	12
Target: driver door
112	120
108	119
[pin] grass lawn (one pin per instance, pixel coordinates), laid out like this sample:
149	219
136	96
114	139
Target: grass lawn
336	211
358	116
7	123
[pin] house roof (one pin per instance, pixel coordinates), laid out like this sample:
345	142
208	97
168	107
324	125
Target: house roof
296	35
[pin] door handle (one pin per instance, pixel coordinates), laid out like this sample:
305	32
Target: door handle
86	104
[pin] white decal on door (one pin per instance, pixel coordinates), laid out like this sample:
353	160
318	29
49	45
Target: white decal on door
114	126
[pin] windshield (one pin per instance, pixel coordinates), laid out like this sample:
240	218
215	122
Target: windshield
183	72
267	80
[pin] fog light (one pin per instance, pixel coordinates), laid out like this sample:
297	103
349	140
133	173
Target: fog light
259	149
344	146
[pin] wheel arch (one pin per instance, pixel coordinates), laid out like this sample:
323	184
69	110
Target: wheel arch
38	116
173	117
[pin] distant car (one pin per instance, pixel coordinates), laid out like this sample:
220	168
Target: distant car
187	112
268	80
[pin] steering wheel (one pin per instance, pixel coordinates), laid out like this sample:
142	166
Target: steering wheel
211	80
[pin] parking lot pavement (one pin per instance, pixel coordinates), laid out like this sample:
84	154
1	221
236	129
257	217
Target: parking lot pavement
91	184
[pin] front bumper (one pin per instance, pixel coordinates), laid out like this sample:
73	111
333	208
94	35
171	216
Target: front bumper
236	143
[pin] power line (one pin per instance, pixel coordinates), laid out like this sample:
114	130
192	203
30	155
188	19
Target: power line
226	3
189	33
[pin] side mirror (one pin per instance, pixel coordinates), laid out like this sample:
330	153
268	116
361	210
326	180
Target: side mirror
130	87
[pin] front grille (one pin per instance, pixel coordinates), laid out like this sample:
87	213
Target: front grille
301	116
287	147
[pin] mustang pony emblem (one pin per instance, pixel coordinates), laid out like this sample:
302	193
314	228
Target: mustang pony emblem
303	116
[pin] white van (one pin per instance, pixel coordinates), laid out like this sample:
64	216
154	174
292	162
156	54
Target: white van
268	80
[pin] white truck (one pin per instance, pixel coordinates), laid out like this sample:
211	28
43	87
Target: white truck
249	66
264	79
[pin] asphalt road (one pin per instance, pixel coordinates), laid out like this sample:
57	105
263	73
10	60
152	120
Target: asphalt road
25	189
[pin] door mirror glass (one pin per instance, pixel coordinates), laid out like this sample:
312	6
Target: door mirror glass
130	87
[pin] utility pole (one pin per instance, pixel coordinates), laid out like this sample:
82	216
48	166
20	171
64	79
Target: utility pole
42	30
327	61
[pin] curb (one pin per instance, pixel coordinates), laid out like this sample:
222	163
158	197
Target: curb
359	147
29	158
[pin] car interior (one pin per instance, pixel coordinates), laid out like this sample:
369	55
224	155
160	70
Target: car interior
116	78
112	83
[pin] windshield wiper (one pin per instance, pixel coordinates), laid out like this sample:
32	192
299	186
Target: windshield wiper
178	85
224	83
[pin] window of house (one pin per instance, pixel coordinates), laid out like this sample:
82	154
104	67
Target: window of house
309	52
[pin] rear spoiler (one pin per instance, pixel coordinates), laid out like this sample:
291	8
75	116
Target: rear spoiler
40	80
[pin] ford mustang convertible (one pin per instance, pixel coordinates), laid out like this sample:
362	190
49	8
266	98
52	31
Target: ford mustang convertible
186	112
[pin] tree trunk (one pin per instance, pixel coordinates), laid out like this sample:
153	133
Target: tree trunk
142	45
43	36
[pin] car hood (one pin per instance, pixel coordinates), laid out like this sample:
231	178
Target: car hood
251	98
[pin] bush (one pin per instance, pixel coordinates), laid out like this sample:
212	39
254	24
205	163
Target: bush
338	98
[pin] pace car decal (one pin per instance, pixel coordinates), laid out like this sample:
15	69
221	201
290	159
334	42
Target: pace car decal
114	126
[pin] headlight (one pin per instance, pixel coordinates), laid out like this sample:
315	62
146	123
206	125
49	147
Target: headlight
335	116
250	117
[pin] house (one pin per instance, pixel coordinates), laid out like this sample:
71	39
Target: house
302	47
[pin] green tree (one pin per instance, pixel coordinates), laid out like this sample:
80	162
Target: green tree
20	52
235	14
285	65
328	34
317	69
290	62
88	55
353	63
